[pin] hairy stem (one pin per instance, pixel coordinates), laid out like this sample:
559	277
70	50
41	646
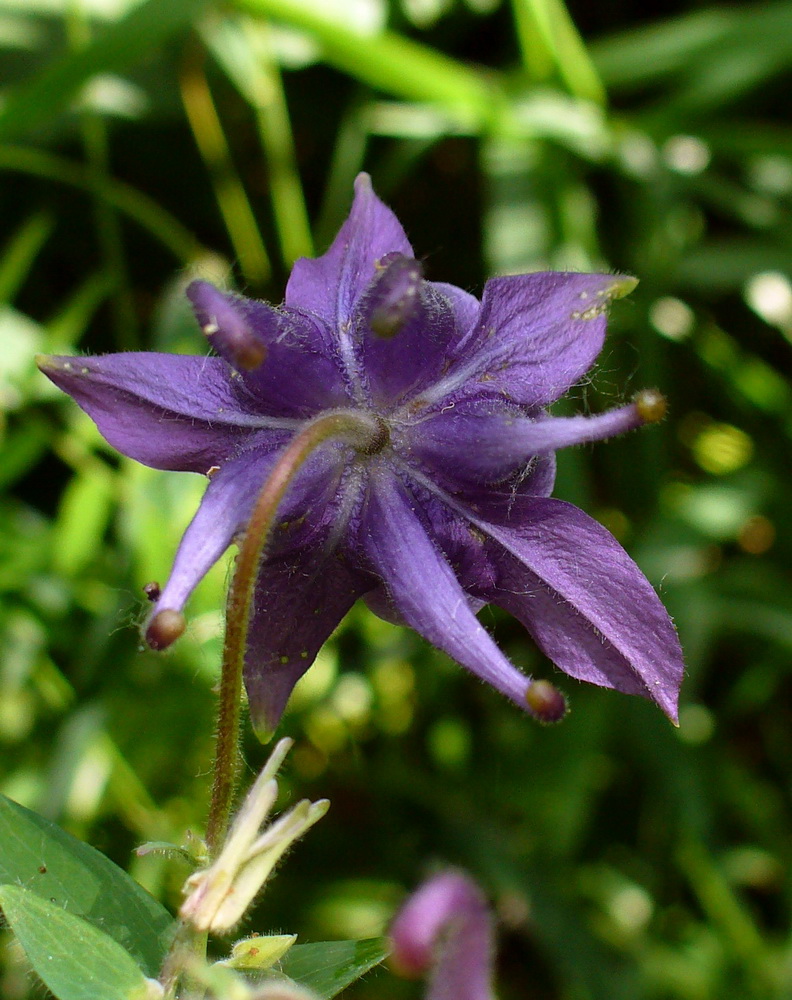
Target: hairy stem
187	944
363	433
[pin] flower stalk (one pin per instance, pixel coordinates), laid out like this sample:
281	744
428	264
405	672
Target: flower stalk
360	431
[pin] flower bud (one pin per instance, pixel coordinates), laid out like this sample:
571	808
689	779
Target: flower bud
260	951
445	931
219	895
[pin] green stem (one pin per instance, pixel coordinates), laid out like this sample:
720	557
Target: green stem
274	128
549	39
232	200
363	432
97	149
392	62
187	943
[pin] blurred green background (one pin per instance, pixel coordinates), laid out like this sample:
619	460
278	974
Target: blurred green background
142	143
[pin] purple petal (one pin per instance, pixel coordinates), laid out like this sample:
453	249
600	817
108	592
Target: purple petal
299	601
540	480
424	590
484	447
300	371
227	505
445	928
467	549
467	307
224	511
585	601
330	285
403	328
496	503
493	503
536	336
169	411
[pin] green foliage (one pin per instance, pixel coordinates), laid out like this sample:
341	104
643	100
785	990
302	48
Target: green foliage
38	858
73	958
626	859
329	967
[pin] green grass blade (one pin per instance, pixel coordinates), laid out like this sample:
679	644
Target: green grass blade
70	321
230	194
549	36
243	50
393	63
20	252
145	211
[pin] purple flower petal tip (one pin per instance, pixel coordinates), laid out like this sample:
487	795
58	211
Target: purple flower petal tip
449	511
546	702
164	628
226	327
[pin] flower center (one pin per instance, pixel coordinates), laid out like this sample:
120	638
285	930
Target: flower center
377	439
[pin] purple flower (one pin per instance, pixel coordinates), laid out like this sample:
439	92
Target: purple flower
445	931
446	509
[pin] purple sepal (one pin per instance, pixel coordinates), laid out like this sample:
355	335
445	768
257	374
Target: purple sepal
332	284
425	591
485	447
586	603
536	335
300	599
169	411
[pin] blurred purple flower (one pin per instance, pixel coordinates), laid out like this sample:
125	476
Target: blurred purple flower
448	512
445	932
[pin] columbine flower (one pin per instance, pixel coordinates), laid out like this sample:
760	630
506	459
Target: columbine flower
445	932
445	508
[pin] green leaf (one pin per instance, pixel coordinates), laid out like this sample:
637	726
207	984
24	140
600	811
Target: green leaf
546	24
52	864
118	47
74	959
632	57
327	967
